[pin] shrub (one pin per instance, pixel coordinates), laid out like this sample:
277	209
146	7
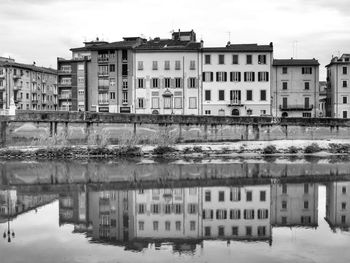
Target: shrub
197	149
339	148
292	149
187	150
313	148
270	149
160	150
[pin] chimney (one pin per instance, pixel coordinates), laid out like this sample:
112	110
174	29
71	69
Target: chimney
228	44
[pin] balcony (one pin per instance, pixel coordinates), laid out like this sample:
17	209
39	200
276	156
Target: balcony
34	101
103	87
65	84
65	96
17	87
65	108
64	72
103	102
235	103
102	60
103	74
296	107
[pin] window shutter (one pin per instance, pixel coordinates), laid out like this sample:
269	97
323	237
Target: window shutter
245	214
196	83
211	214
267	76
253	214
172	83
217	214
181	83
245	76
203	214
239	214
231	214
239	76
203	76
225	76
188	83
253	76
211	76
225	214
217	76
231	79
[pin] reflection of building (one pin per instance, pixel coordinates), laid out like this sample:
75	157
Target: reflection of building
337	205
236	212
294	205
73	208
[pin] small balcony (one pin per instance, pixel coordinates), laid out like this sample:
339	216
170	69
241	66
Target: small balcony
103	87
103	102
296	107
102	60
235	103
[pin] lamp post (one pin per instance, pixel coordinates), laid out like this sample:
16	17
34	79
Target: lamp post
8	234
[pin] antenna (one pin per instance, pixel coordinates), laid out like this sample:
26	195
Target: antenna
229	36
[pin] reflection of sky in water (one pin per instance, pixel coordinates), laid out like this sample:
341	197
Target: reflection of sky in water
40	239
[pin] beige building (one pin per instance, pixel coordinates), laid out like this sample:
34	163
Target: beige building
30	87
338	84
295	88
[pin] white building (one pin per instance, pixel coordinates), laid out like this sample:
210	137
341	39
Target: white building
236	80
167	73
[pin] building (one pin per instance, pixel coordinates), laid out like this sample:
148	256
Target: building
338	81
236	80
338	205
28	86
322	98
294	205
167	75
99	77
295	88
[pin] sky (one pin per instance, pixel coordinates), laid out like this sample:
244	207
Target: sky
42	30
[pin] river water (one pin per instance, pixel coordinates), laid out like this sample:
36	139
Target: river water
223	210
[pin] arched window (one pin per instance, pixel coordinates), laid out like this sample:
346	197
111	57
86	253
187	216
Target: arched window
155	112
284	115
235	112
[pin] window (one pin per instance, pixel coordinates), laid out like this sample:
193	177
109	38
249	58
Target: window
125	97
178	209
140	65
345	70
178	103
284	189
167	225
262	196
235	214
207	231
221	214
343	219
155	208
235	76
207	59
249	196
166	65
345	99
155	65
221	94
140	103
208	95
221	231
178	82
307	85
306	70
249	59
177	65
284	220
155	225
208	214
249	76
306	188
192	103
235	231
112	95
112	82
167	102
207	196
261	231
262	59
155	83
235	59
343	205
221	59
111	68
263	76
343	190
125	83
306	115
284	85
125	69
235	194
306	204
192	82
208	76
155	103
192	65
305	219
192	225
263	213
167	82
221	76
221	196
345	83
284	70
263	95
249	95
192	208
207	112
249	214
178	225
141	225
142	208
284	204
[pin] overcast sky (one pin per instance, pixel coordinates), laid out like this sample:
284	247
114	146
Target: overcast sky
41	30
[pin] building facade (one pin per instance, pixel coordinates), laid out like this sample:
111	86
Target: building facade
295	88
338	81
28	86
236	80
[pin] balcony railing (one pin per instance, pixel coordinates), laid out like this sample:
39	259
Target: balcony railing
103	102
64	96
65	108
235	103
65	84
35	101
65	71
102	59
103	74
296	107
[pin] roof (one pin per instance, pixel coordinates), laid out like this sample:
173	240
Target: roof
129	42
295	62
241	48
28	67
169	44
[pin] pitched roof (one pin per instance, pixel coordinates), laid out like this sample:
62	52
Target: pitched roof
295	62
27	67
240	48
